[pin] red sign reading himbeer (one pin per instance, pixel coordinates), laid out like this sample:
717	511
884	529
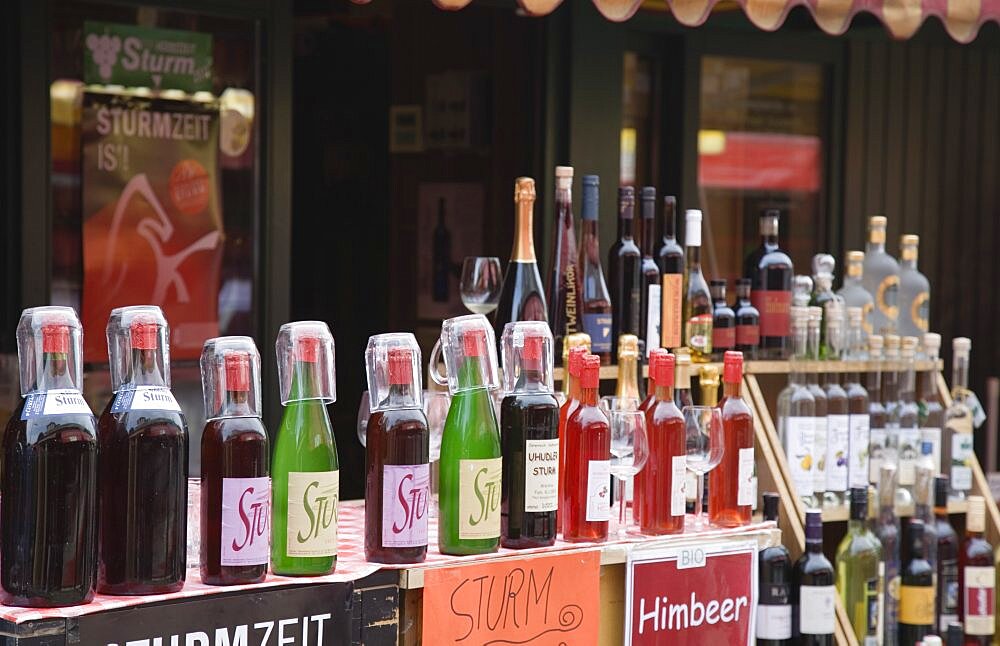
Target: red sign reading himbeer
692	594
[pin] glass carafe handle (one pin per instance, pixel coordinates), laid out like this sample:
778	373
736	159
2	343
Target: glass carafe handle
432	365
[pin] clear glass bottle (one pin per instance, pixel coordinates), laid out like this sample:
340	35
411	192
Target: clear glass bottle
820	430
892	401
627	393
860	570
838	442
914	291
697	299
881	278
908	415
822	294
853	291
877	417
957	447
797	412
931	410
888	532
859	423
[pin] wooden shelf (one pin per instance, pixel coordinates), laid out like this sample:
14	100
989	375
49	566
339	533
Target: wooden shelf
841	514
782	367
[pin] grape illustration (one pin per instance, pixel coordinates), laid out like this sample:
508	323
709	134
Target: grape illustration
104	50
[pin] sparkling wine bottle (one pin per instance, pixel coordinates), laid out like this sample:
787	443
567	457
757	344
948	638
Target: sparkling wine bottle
586	506
670	258
627	384
659	486
732	487
860	570
697	299
813	589
771	271
595	303
774	564
625	270
49	485
564	278
522	297
235	461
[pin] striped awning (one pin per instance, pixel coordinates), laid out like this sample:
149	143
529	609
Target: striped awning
962	18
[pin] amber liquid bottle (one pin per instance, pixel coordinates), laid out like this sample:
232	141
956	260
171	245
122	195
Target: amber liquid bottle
659	486
586	507
730	484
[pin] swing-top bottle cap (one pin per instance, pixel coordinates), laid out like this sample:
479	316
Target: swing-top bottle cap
306	362
393	359
230	364
468	346
732	367
591	374
137	327
564	177
527	357
961	345
50	330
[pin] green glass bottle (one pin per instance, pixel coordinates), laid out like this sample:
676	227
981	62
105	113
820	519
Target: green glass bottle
861	572
305	475
470	486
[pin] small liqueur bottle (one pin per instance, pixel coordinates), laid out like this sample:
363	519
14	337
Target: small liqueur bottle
814	593
697	298
957	447
878	419
838	443
627	386
305	469
976	578
747	321
946	608
651	310
521	296
797	412
931	410
529	433
774	564
577	347
49	486
914	291
625	270
563	287
659	486
723	321
908	412
916	590
142	464
820	427
860	571
670	258
853	292
646	407
881	278
731	485
595	303
587	502
858	421
771	271
235	463
397	452
888	533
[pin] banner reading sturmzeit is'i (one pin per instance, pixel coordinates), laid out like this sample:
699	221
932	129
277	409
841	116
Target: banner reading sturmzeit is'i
152	226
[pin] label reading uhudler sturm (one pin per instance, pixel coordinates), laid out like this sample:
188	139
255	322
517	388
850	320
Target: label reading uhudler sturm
541	475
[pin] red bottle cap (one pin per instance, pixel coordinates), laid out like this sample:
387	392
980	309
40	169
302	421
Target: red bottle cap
732	367
144	335
55	338
576	356
237	372
531	354
665	370
655	355
474	343
591	376
400	367
307	349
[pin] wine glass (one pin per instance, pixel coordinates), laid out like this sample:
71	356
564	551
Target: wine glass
703	436
481	283
364	412
436	405
629	452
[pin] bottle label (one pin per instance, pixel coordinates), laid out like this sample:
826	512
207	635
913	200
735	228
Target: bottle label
775	307
886	297
598	490
746	494
980	585
723	338
541	475
598	326
653	318
699	333
920	311
817	609
838	429
909	449
916	605
819	455
858	450
145	398
671	297
406	492
479	498
678	496
246	521
948	584
569	283
876	453
774	622
62	401
799	441
748	335
933	435
961	461
313	497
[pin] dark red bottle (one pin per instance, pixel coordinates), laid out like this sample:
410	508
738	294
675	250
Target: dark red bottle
235	460
661	482
586	507
397	474
143	463
49	487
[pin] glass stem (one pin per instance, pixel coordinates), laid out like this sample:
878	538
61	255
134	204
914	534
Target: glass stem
697	499
621	507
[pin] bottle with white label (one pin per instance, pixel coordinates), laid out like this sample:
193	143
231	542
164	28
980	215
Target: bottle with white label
586	504
860	571
143	462
878	419
235	463
814	593
774	610
902	434
859	422
916	589
49	485
957	445
931	410
305	473
529	433
821	432
796	414
977	578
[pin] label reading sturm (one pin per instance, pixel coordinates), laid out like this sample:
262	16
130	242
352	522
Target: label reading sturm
980	584
961	459
479	498
653	319
145	398
598	491
63	401
678	497
405	496
817	609
837	451
246	520
876	453
598	326
670	332
313	497
799	438
746	494
541	475
858	450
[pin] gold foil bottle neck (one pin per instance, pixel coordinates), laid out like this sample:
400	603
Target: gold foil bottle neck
708	379
524	239
628	346
876	229
524	189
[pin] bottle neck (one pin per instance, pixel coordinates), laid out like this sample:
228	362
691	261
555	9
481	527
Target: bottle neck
908	263
769	241
564	208
628	377
626	228
855	526
743	295
732	390
908	382
928	390
589	228
55	372
524	237
237	404
648	236
669	226
873	381
588	396
814	545
693	259
470	374
304	381
664	393
874	247
960	373
146	369
400	396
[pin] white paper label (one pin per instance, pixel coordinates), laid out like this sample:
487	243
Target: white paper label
933	435
876	453
774	622
678	497
858	450
961	461
146	398
838	428
313	497
819	453
817	609
58	401
598	490
541	475
799	444
746	494
653	318
909	450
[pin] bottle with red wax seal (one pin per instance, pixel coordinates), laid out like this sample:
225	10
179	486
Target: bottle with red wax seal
578	346
235	462
142	463
305	471
732	486
49	485
659	487
529	432
586	505
397	452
